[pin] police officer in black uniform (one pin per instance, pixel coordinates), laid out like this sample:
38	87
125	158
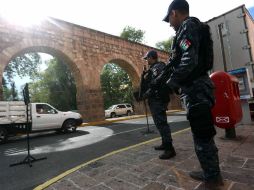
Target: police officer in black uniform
158	101
196	87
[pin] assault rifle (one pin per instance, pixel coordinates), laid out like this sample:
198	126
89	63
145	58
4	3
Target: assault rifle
162	78
159	82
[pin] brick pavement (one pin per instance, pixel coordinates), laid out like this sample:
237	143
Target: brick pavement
138	167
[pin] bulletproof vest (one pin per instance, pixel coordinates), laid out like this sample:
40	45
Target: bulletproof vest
175	55
205	57
158	90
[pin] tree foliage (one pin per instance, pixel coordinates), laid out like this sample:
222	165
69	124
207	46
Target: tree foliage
133	34
56	86
39	91
14	92
165	45
6	90
25	65
116	85
9	94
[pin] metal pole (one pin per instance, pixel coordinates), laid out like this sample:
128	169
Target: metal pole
148	128
222	47
230	133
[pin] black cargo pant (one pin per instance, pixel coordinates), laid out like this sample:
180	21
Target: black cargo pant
199	101
203	131
158	110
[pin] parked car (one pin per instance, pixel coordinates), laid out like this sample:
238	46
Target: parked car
118	110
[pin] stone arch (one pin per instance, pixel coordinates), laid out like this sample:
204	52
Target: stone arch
133	69
128	65
85	50
45	47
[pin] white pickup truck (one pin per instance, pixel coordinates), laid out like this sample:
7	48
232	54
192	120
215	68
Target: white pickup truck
42	116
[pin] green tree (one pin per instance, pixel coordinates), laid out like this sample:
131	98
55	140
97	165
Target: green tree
116	85
14	92
165	45
9	94
56	85
39	91
24	65
6	91
132	34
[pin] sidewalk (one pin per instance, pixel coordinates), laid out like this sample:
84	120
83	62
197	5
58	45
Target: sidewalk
138	167
111	120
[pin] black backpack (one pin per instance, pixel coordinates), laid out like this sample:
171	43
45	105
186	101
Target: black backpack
206	47
205	61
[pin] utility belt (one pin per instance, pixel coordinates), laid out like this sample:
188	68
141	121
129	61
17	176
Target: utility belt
200	90
193	80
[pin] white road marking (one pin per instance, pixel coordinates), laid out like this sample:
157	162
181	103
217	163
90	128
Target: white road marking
96	134
130	131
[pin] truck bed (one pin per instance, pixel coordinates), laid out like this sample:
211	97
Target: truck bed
12	112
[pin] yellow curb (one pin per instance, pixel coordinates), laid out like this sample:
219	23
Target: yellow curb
110	121
121	119
57	178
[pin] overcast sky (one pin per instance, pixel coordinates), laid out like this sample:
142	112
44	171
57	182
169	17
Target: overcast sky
111	16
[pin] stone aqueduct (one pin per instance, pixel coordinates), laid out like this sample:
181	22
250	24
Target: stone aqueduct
86	51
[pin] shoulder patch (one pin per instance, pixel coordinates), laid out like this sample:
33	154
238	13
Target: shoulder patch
185	44
155	72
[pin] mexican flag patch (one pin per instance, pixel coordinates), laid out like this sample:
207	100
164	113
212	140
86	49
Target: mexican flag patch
185	44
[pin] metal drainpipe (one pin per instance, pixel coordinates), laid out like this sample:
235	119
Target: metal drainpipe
248	40
222	47
228	44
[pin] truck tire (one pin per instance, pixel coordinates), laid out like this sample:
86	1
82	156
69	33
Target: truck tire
3	135
69	126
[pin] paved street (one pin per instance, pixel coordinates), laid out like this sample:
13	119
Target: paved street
138	167
66	151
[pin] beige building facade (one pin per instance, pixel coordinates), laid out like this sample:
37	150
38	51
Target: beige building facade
233	36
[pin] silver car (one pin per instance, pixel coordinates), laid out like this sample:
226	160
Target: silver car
118	110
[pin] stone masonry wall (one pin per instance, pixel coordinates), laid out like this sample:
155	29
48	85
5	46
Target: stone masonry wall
85	50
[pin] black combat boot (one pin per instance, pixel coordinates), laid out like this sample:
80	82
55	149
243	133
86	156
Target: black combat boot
168	153
199	175
160	147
